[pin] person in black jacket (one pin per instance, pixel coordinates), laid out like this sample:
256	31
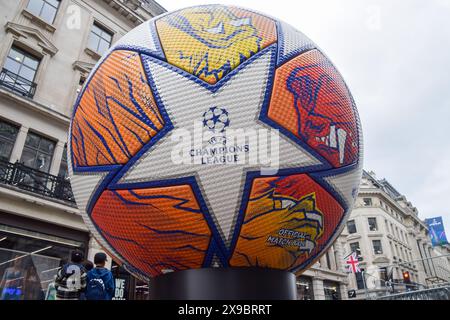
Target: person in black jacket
71	278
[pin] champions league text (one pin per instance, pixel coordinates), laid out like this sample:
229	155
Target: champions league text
233	146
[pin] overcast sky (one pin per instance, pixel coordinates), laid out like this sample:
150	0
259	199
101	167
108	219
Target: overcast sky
395	57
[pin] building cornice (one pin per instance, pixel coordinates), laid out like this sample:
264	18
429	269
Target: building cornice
128	9
25	31
40	108
84	67
379	192
32	198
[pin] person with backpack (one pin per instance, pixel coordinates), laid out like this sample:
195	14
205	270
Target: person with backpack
71	278
88	265
100	281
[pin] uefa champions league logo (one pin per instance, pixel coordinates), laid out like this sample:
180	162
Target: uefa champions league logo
214	141
216	119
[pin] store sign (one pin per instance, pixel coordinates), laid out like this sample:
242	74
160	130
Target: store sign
437	232
121	292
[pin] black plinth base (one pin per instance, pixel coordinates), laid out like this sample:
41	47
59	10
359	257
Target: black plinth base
225	284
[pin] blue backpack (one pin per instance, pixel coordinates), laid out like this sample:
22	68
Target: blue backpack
95	289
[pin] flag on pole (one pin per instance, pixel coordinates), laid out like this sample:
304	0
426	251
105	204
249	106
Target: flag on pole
352	263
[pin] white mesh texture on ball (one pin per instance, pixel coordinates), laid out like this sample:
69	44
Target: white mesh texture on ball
83	184
140	37
346	185
291	42
186	101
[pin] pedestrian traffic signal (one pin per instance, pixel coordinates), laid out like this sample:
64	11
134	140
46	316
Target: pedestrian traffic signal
406	277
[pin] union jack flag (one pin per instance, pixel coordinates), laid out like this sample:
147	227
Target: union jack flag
352	263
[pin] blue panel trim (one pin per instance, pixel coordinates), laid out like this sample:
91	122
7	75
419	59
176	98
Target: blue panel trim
246	195
77	103
158	53
218	246
102	187
317	173
214	5
219	84
282	57
319	178
107	168
264	117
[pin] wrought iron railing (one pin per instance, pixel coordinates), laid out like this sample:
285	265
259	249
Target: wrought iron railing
439	293
17	83
29	179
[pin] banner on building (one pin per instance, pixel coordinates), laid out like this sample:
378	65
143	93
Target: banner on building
436	230
121	290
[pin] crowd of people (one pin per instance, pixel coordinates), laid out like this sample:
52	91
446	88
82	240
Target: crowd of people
78	279
84	280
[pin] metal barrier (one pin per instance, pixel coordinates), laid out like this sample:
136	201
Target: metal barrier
438	293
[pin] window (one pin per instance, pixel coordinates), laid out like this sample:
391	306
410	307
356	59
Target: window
8	135
351	226
304	288
377	249
33	273
383	273
354	247
327	255
19	72
44	9
63	166
331	290
99	39
373	224
37	152
80	84
359	280
367	202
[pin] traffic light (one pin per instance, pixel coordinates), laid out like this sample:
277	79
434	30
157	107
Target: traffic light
406	277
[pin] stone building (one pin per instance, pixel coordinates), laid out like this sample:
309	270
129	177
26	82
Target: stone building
327	278
384	228
48	48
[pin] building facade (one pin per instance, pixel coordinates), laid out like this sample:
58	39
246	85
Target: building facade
327	278
392	242
48	49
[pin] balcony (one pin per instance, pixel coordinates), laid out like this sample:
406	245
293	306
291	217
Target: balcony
35	181
17	83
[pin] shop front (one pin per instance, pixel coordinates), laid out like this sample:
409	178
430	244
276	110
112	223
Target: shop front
331	290
31	253
304	288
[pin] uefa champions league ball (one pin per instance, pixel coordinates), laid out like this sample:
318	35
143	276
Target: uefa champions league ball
215	136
